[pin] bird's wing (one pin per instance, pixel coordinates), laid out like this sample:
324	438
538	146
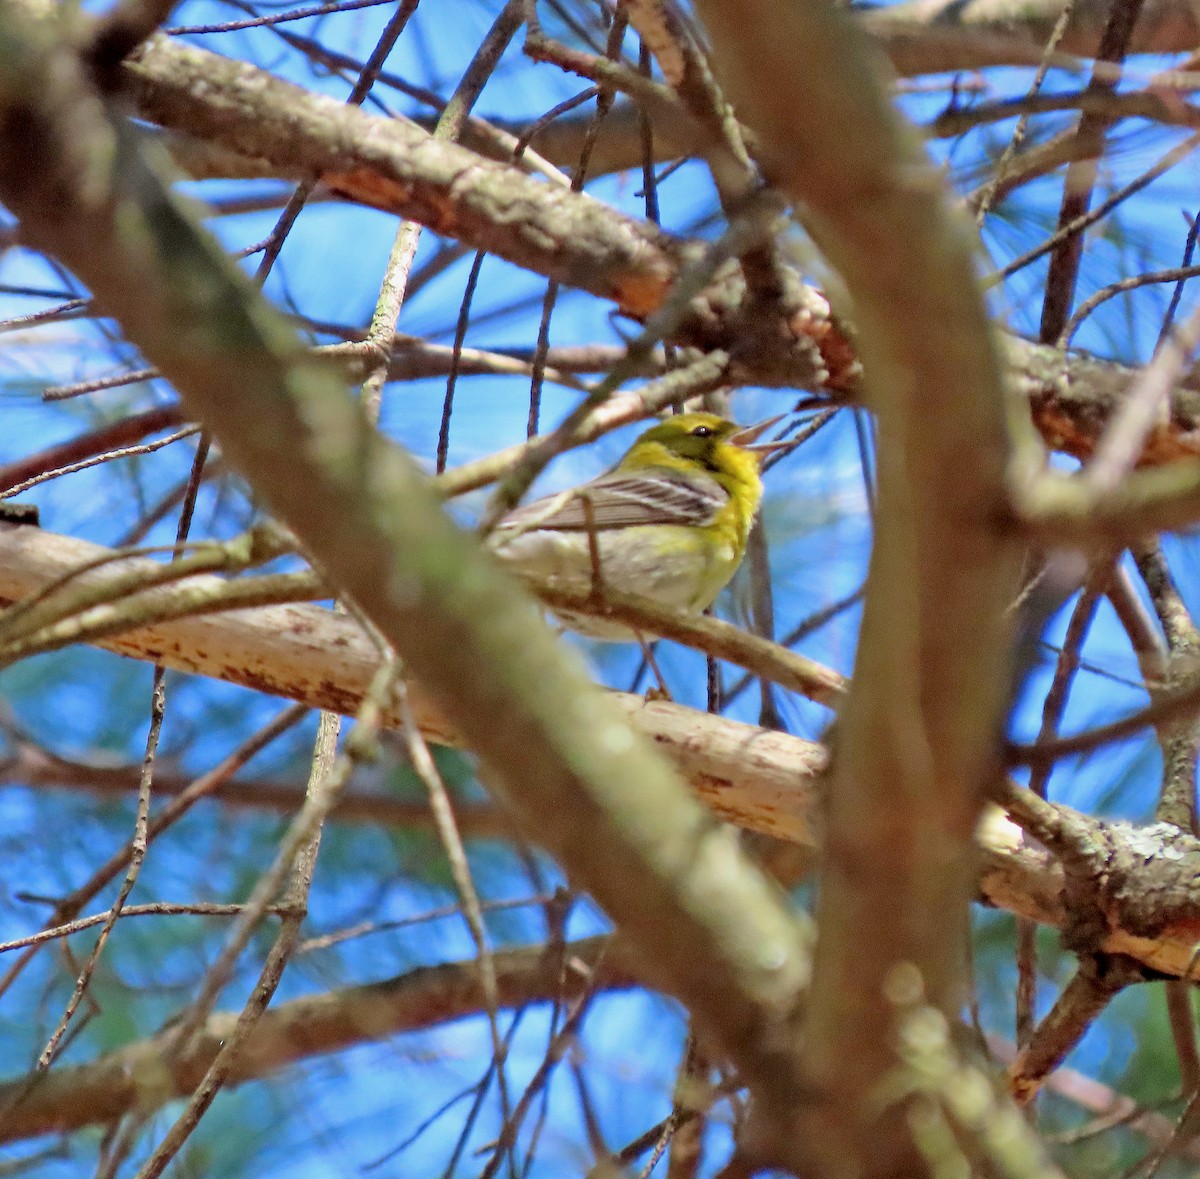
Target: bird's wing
620	500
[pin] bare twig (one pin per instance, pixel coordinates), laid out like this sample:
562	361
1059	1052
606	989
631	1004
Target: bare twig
1095	984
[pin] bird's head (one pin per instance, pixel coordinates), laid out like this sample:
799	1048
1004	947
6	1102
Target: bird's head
705	441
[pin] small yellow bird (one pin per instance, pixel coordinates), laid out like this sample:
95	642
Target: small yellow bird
669	523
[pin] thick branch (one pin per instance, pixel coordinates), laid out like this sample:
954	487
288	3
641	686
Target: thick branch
917	735
314	656
393	165
764	781
936	36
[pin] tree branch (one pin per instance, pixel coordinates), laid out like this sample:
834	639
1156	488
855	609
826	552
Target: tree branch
33	768
312	655
764	781
936	36
142	1076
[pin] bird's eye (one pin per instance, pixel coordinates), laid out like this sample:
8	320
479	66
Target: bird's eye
702	432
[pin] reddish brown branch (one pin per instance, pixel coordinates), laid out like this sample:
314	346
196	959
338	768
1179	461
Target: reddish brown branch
122	432
103	1091
33	768
1096	983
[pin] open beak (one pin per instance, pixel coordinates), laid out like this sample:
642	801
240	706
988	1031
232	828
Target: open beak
746	438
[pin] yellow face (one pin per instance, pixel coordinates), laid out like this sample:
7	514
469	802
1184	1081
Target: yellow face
694	437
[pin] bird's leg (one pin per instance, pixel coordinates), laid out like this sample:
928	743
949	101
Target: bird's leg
662	692
589	516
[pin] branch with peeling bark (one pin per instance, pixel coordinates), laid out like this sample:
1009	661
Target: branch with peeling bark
323	659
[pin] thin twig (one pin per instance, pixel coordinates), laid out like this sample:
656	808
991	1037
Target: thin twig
202	787
95	460
302	841
153	909
274	18
460	870
984	201
1081	177
1053	709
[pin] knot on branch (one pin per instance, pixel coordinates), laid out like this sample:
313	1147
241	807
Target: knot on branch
1074	422
782	337
1153	882
1073	397
1142	881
